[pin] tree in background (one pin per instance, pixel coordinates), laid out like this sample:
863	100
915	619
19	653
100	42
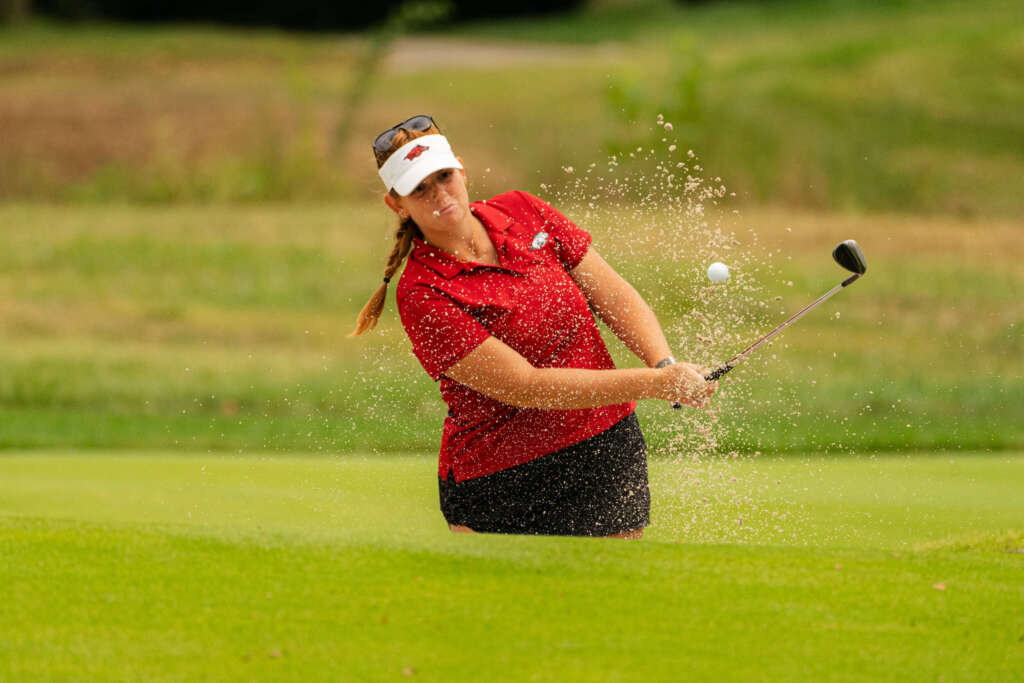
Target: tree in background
14	10
408	17
310	15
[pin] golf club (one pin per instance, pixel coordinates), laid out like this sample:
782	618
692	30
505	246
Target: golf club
847	254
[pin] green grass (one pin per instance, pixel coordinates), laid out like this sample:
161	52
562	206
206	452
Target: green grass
220	327
648	20
895	106
173	567
162	360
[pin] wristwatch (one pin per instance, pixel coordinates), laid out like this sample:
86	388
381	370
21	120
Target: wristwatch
669	360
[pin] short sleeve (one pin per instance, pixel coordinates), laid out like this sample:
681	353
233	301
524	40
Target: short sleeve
441	333
570	241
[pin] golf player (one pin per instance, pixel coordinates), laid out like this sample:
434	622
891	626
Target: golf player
498	299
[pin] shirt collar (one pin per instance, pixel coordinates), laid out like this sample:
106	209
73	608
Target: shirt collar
497	222
444	264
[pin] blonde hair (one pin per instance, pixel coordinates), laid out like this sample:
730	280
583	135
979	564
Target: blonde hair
407	230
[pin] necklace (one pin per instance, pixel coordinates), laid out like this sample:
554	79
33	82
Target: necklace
476	255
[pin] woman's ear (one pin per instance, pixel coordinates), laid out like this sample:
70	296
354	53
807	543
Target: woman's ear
395	206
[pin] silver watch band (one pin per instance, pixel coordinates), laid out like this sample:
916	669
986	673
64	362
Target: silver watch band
665	361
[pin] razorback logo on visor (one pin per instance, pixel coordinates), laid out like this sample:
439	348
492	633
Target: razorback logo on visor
416	151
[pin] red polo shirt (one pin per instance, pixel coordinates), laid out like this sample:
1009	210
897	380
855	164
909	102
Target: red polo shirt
529	301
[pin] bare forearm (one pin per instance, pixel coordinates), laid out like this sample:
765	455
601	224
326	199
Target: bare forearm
622	308
572	388
633	321
496	370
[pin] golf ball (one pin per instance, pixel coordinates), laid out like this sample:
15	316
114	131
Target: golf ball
718	272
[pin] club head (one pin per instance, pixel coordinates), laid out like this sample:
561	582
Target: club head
849	256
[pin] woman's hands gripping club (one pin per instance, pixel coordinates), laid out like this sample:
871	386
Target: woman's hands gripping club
684	383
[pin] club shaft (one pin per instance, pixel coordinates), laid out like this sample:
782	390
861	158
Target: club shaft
742	355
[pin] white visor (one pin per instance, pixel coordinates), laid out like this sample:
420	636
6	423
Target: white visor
415	160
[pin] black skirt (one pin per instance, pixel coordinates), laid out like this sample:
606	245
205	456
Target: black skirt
596	487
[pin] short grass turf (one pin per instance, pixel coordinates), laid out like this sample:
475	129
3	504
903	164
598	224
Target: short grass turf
175	567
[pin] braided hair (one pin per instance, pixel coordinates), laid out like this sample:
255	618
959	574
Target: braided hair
407	230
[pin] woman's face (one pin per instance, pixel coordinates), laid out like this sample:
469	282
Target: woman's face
440	200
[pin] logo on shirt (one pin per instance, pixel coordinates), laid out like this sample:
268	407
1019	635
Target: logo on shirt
416	151
539	240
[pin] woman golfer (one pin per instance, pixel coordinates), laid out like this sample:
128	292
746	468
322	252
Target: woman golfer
496	298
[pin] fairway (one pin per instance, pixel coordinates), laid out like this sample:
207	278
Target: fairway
200	567
205	477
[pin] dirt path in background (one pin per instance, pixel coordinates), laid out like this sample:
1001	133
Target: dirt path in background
413	54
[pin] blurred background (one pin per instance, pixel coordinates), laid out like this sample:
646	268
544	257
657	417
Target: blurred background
190	216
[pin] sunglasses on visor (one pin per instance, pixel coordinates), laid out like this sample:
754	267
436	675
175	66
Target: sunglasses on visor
416	124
